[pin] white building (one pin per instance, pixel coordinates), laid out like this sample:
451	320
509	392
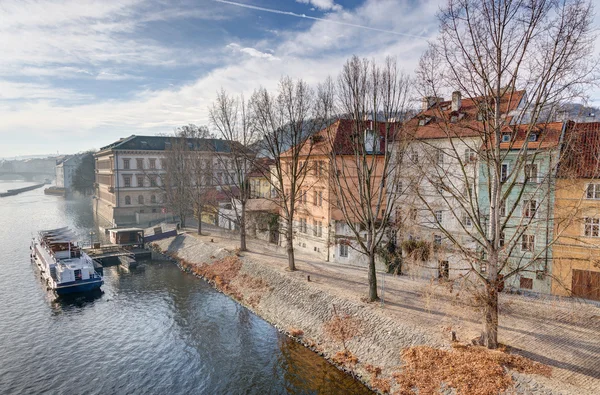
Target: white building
65	171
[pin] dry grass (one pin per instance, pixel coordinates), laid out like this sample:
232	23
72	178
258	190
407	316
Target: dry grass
378	383
345	358
342	327
470	370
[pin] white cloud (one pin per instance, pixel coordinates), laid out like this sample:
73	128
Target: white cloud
325	5
312	55
255	53
33	91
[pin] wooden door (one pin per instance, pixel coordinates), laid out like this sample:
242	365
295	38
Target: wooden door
586	284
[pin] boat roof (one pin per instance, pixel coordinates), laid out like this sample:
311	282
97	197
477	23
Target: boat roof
119	230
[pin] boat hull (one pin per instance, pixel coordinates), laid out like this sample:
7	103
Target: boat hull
78	287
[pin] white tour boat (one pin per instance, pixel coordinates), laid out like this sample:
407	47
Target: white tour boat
65	268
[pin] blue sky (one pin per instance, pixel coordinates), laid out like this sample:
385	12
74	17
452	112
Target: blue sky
79	74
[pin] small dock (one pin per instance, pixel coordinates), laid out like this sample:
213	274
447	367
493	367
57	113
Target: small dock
110	255
12	192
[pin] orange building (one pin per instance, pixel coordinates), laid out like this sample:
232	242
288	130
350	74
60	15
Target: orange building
320	227
576	252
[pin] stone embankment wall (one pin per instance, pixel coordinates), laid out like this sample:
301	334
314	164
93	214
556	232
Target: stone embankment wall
302	310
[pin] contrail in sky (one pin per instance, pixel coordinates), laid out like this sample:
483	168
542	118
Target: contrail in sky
289	13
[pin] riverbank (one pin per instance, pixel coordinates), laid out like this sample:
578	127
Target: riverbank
375	335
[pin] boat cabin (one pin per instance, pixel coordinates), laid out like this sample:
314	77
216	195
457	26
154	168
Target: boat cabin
127	236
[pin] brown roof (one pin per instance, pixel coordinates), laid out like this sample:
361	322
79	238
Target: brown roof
547	135
439	116
339	136
580	155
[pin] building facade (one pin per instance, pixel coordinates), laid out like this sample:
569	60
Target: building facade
130	173
576	251
438	183
65	171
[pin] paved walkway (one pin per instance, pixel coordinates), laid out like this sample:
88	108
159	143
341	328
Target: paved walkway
562	333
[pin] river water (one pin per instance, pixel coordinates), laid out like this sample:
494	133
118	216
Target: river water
157	331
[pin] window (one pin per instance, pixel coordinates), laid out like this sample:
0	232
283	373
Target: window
593	191
501	240
127	181
343	251
139	163
502	208
437	240
127	200
527	242
414	157
153	163
320	199
303	226
504	172
163	164
153	199
141	199
140	181
526	283
505	137
315	198
529	208
317	228
439	216
153	181
531	172
220	178
480	116
533	137
413	214
470	155
399	187
439	157
126	164
592	227
467	220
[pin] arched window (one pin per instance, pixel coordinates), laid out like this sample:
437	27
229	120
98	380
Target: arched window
127	199
153	199
141	199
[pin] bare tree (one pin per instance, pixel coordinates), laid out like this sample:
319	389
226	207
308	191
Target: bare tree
284	122
230	116
374	100
515	62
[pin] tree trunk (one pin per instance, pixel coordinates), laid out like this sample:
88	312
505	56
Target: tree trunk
489	336
243	228
199	225
372	278
290	245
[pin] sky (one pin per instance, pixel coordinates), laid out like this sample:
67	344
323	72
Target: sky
80	74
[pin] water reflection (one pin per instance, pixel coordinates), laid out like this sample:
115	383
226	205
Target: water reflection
151	331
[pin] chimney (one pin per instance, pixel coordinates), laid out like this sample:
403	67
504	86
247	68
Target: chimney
456	101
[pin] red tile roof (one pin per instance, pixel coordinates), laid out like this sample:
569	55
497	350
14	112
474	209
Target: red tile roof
440	115
580	154
339	136
547	136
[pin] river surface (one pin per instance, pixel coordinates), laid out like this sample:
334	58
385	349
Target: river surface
158	331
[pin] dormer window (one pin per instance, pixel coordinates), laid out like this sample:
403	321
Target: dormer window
424	121
533	137
480	116
144	144
505	137
454	118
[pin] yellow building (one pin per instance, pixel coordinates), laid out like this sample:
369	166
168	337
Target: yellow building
576	252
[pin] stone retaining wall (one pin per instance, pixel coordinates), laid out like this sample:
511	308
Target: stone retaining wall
290	302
